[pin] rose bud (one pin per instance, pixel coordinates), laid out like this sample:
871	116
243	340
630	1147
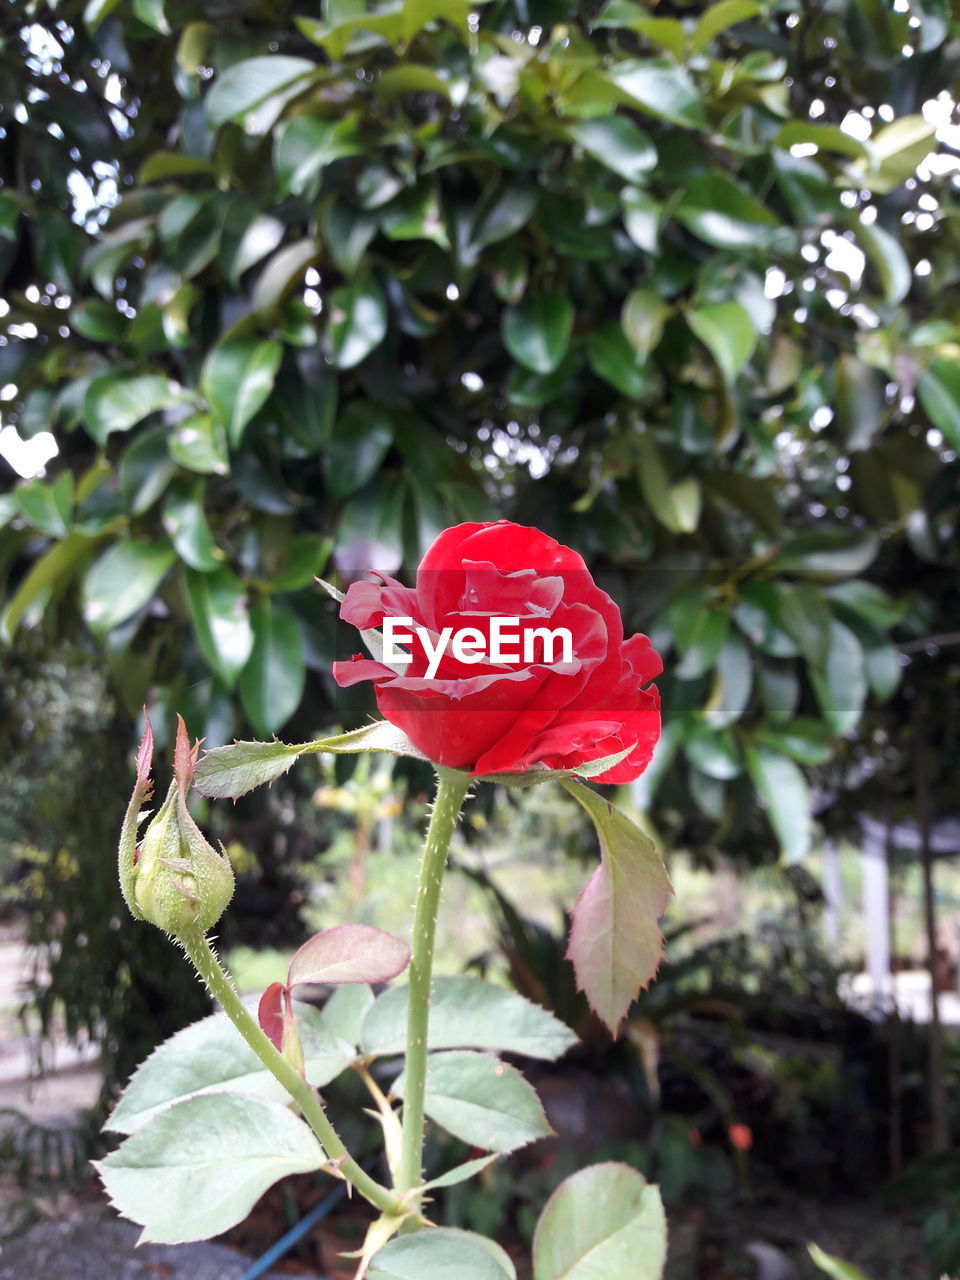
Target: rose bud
174	878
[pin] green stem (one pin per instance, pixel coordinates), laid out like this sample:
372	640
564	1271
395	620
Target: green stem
451	788
222	989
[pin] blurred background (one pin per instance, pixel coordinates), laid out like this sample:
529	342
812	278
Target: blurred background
286	290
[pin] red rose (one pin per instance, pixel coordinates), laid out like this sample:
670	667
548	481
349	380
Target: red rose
556	703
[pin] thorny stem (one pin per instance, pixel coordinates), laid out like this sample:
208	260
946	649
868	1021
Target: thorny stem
221	987
452	787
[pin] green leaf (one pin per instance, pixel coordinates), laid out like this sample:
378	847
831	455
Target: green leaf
606	1222
834	1267
722	214
117	403
199	444
179	1189
439	1254
733	684
253	92
48	507
282	274
218	607
236	769
667	32
806	618
617	143
881	666
306	144
416	215
261	235
358	322
841	687
727	331
615	941
858	402
832	553
895	152
827	137
867	601
888	260
537	331
122	581
676	506
939	390
714	753
211	1056
785	794
613	359
271	683
779	688
233	770
699	631
361	438
481	1101
172	164
45	575
185	524
661	88
804	740
508	212
751	495
146	470
462	1172
720	17
466	1013
237	378
641	218
303	558
642	317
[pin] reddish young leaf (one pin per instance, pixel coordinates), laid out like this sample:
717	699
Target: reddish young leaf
145	756
349	953
615	941
184	757
270	1013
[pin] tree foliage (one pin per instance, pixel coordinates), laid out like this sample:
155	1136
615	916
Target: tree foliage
679	286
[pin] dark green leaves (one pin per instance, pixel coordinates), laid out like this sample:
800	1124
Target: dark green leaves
117	403
361	437
358	323
537	331
661	88
123	580
254	92
617	143
722	214
218	608
728	333
939	390
787	799
237	378
272	681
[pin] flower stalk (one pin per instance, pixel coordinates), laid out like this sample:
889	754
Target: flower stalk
452	787
221	987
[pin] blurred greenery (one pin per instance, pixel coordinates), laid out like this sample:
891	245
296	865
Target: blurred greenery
682	290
